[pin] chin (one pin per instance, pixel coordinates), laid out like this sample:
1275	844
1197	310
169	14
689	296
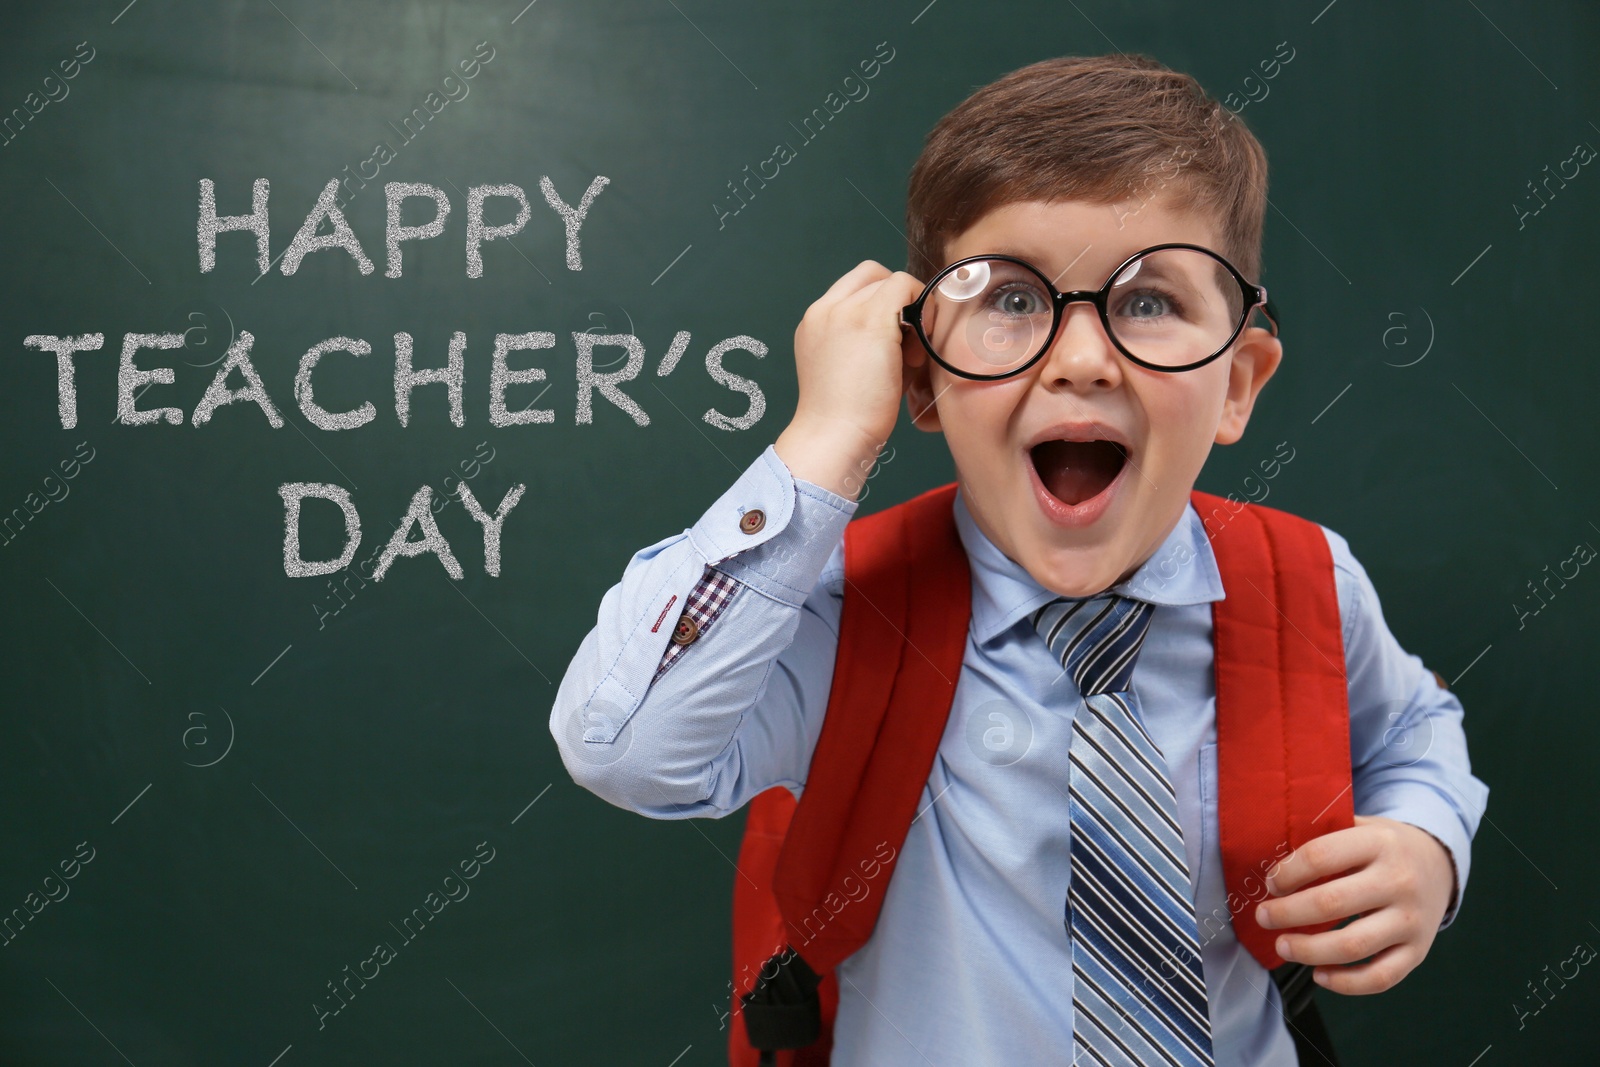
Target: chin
1073	573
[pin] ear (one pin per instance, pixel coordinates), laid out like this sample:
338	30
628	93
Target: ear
917	374
1256	356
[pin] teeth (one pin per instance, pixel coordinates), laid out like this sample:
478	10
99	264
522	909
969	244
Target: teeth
1084	440
1087	440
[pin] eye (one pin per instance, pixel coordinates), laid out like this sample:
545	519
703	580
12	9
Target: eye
1020	300
1150	304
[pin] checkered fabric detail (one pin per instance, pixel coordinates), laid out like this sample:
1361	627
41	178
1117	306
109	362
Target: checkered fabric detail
713	593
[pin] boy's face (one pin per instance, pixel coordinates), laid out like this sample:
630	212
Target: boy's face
1084	388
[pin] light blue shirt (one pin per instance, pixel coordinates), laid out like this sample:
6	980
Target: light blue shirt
970	962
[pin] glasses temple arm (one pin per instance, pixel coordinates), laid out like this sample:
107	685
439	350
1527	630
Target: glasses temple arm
1268	310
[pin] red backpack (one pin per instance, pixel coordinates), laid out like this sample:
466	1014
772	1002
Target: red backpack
1283	749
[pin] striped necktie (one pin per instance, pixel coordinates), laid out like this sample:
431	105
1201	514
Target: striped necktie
1139	987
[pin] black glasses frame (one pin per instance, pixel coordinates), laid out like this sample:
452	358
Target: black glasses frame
1254	295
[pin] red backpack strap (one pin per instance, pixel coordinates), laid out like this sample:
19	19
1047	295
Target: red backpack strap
1283	715
758	931
902	636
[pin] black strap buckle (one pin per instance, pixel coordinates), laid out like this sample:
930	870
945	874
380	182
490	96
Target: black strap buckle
783	1011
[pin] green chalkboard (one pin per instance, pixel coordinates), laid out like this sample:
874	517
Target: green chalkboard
224	786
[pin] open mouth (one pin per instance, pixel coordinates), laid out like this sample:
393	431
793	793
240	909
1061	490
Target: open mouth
1076	471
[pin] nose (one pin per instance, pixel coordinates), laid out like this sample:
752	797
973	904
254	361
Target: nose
1081	355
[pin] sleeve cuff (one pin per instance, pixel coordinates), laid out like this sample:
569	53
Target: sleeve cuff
773	532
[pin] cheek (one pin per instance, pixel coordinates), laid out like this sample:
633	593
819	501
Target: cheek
977	418
1183	430
1184	415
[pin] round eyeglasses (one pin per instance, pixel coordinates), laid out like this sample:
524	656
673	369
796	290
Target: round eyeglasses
1171	307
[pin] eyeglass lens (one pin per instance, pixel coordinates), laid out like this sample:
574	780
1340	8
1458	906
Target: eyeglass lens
1169	307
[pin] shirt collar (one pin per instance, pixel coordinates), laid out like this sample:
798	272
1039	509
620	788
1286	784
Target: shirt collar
1182	570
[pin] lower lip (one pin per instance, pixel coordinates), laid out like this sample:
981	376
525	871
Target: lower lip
1074	515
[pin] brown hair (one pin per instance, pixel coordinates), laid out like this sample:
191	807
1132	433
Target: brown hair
1096	128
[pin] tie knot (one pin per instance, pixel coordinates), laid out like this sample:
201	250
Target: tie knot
1096	638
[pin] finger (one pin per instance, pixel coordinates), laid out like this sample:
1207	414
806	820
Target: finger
1328	901
867	271
1323	856
907	286
885	299
1381	972
912	352
929	319
1354	941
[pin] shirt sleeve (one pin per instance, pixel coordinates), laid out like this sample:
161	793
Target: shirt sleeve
706	676
1408	747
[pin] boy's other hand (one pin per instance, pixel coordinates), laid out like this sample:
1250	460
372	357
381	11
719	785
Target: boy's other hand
1400	880
851	355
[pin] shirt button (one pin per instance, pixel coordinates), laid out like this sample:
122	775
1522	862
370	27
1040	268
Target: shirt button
686	632
753	521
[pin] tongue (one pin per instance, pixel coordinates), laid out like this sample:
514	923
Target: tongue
1074	471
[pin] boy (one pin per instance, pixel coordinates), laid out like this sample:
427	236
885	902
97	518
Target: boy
1077	434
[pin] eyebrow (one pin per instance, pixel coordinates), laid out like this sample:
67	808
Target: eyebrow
1009	250
1032	256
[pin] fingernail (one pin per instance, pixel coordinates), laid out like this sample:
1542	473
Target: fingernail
1262	915
1319	977
1283	948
